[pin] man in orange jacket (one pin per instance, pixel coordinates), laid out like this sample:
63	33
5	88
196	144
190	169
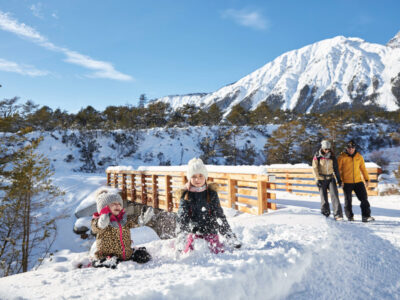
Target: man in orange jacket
351	165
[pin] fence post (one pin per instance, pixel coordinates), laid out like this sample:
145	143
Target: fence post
232	193
261	197
288	185
143	188
108	178
123	186
115	180
133	188
154	179
168	193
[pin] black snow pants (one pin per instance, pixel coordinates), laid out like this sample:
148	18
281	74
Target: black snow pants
361	193
330	184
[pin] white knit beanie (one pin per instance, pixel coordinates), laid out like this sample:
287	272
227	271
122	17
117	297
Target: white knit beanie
196	166
105	196
325	144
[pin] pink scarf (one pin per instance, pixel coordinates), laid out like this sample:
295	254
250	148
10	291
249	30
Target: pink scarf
113	218
194	189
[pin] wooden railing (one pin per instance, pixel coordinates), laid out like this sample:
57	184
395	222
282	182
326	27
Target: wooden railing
301	181
244	192
250	193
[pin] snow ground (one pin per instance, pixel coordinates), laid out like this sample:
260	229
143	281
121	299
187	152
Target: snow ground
291	253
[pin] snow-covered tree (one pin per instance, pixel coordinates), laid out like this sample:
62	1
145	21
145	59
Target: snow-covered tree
27	230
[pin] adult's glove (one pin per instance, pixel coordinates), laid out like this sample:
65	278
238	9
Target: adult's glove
339	184
319	183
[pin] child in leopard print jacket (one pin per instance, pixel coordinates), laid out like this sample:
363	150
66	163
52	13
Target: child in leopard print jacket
112	228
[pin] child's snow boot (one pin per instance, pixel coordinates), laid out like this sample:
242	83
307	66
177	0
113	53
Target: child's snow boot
140	255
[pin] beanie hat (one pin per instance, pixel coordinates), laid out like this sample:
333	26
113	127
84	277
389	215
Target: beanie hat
196	166
351	144
325	144
106	196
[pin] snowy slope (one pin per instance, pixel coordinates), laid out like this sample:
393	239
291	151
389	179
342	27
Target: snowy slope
336	71
291	253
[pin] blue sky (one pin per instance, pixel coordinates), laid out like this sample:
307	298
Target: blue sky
74	53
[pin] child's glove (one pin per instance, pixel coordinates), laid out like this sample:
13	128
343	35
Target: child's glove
233	241
105	211
104	218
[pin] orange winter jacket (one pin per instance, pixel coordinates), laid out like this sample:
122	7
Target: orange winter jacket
351	167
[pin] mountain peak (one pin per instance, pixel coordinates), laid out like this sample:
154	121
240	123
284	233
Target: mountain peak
395	41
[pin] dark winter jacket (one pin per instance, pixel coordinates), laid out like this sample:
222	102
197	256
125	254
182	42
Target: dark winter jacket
324	166
202	214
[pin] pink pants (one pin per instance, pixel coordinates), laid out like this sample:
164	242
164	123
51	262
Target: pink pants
214	244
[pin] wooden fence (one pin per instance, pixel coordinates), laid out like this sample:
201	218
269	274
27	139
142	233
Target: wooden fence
250	193
301	181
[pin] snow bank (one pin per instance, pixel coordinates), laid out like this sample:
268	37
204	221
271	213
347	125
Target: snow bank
292	253
119	168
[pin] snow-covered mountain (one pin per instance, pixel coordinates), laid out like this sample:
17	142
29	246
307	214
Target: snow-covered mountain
340	71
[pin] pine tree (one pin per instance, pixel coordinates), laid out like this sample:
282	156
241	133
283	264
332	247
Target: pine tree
238	116
89	146
27	231
229	147
334	128
281	146
214	115
261	115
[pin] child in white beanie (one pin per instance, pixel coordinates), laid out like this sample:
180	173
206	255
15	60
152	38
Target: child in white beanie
200	215
112	229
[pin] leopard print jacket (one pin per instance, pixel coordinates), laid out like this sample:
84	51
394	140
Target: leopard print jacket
108	240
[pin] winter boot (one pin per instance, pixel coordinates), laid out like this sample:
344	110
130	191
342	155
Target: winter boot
368	219
109	262
338	218
141	256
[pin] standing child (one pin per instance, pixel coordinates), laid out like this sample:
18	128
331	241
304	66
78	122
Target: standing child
200	215
113	236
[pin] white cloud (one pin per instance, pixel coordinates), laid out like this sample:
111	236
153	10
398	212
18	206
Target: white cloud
10	66
101	69
37	10
248	18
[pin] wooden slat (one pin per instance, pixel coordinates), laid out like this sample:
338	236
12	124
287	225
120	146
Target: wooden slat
247	192
292	175
248	210
220	181
223	188
246	183
252	202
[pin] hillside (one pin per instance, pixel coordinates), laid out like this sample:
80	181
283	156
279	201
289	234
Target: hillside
291	253
337	72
